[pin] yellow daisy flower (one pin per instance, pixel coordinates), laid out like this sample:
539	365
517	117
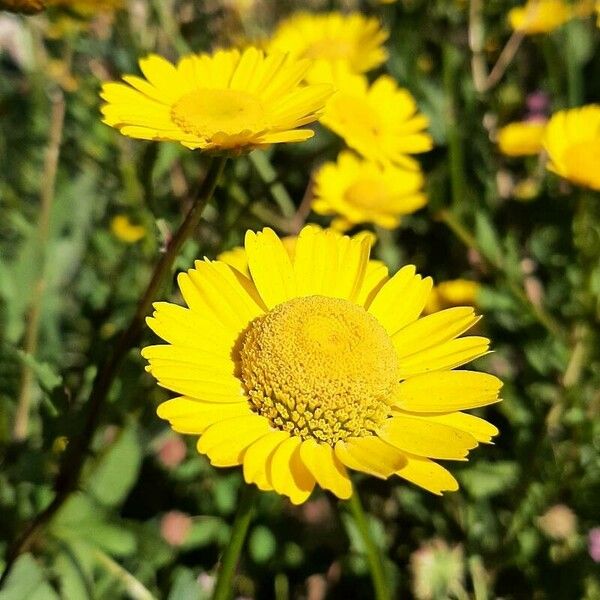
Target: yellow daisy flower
361	191
305	369
539	16
381	121
227	101
522	138
353	38
572	142
454	292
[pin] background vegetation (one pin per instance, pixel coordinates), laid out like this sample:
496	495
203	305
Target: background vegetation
152	517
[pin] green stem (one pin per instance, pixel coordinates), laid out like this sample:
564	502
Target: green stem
374	557
575	88
69	474
268	174
245	512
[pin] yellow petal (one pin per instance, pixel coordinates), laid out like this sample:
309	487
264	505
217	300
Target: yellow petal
425	437
401	299
326	468
447	391
448	355
480	429
162	75
192	416
370	455
289	476
428	475
257	459
329	264
433	330
270	266
376	275
225	442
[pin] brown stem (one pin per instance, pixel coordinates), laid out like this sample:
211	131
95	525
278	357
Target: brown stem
77	451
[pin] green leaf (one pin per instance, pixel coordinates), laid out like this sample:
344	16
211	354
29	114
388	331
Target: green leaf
485	479
487	238
117	470
27	582
46	375
262	544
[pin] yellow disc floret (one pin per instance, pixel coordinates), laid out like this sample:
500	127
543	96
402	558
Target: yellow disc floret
319	368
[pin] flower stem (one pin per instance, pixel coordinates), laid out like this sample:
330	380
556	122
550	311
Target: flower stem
374	557
69	474
245	512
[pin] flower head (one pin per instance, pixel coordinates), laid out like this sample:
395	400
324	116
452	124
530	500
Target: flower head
353	39
454	292
308	368
360	191
228	101
572	141
380	121
539	16
522	138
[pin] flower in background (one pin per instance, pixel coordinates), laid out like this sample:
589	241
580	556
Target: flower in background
522	138
125	230
228	101
438	571
175	527
307	369
454	292
380	121
572	141
360	191
559	522
594	544
539	16
353	39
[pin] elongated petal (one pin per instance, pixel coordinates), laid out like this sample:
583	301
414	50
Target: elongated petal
447	391
448	355
289	475
257	459
225	442
424	437
427	474
191	416
370	455
401	299
433	330
326	468
270	266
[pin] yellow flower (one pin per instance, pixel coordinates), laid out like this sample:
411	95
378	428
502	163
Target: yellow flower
361	191
88	7
353	39
539	16
226	101
125	230
455	292
381	121
307	369
522	138
572	142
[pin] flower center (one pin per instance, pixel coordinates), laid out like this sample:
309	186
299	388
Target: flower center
205	112
330	49
319	368
581	161
366	193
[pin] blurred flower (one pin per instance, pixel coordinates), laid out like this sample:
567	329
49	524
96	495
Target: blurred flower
226	101
381	121
572	141
125	230
59	71
308	368
175	527
538	104
559	522
353	39
359	191
527	189
88	8
437	571
539	16
594	544
14	42
171	452
455	292
522	138
59	445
